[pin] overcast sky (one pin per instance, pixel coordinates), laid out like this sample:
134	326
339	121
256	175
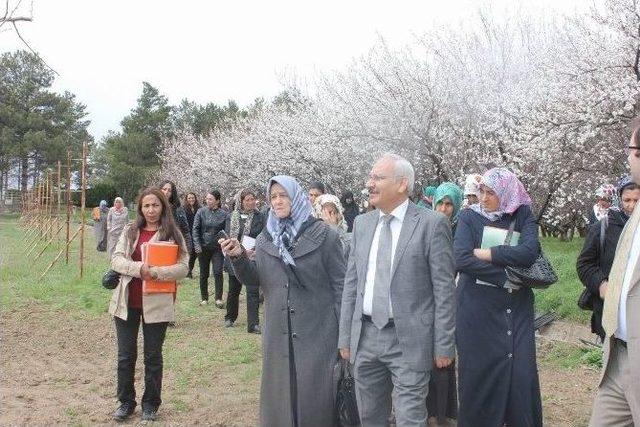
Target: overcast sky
213	50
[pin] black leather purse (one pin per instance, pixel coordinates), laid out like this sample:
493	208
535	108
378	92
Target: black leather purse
346	404
540	275
111	279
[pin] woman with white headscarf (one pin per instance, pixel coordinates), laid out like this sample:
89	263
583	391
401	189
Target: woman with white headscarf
117	218
329	209
300	266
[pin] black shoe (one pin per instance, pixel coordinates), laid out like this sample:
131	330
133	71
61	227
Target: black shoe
228	323
189	275
124	411
149	414
255	329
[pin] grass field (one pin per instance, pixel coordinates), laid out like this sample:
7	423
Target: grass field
60	325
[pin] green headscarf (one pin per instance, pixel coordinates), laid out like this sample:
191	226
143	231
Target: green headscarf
454	193
429	191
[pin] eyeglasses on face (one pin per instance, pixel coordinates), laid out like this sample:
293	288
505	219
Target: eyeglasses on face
628	149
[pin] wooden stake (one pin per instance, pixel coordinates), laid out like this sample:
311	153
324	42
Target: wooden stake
59	254
68	206
82	205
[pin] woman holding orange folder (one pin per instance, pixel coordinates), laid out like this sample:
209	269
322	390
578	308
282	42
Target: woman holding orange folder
129	306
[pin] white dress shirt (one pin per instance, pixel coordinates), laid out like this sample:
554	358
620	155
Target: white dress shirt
395	225
626	284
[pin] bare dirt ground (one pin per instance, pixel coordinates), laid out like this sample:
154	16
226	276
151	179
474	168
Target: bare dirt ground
59	368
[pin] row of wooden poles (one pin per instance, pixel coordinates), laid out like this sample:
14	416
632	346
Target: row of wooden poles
42	215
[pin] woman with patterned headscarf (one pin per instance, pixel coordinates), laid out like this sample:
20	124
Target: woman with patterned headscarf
605	195
300	265
494	319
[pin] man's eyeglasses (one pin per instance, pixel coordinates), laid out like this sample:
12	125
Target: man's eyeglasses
629	148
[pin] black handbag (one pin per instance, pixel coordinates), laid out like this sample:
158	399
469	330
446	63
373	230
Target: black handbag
346	404
540	275
111	279
585	300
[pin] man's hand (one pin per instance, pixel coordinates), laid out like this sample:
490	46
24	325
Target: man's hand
231	247
145	272
443	362
345	353
603	288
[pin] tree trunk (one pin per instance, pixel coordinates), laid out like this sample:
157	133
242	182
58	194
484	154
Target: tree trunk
24	173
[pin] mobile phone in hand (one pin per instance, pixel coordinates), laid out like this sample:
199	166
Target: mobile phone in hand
222	235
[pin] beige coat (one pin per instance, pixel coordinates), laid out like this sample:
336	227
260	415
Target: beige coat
612	303
156	307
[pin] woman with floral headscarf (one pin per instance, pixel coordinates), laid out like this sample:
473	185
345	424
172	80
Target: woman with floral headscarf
497	369
604	199
300	265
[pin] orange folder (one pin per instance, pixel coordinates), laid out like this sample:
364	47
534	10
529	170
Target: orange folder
159	254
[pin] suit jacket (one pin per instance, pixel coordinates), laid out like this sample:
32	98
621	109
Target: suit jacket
612	302
422	286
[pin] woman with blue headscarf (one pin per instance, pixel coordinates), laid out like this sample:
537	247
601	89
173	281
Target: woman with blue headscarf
299	264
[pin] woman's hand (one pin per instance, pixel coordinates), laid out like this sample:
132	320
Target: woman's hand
231	247
330	215
251	253
483	254
145	272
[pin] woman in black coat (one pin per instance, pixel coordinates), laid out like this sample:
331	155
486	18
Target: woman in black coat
171	193
245	220
191	206
497	371
595	260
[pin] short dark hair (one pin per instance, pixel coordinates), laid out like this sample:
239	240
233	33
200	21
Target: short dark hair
216	194
318	186
246	192
630	186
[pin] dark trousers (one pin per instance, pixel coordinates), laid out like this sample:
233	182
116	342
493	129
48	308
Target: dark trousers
153	335
211	257
192	261
233	297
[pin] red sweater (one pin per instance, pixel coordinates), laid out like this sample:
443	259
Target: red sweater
135	286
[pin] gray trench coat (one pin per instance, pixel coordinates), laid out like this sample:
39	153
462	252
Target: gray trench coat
303	317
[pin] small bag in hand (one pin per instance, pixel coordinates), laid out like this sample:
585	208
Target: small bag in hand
539	276
346	404
111	279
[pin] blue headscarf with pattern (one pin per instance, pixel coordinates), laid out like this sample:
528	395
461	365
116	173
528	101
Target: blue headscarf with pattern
284	230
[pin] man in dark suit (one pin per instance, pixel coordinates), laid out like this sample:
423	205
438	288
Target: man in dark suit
398	310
